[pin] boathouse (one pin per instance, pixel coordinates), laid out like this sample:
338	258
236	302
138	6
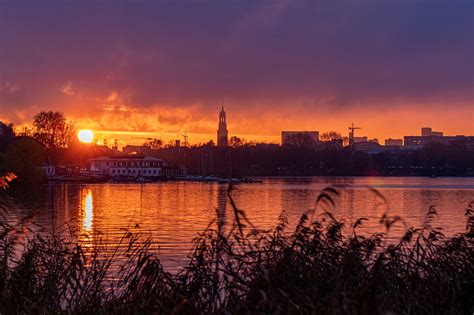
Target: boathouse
127	165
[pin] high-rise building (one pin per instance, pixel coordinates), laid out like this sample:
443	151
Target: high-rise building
415	142
427	131
428	136
222	132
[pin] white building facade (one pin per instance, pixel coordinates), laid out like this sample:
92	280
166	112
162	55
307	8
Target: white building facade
127	166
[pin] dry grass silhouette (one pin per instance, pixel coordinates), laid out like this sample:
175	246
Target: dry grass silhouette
239	269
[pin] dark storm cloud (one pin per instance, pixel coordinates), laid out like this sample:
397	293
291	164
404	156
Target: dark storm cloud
339	53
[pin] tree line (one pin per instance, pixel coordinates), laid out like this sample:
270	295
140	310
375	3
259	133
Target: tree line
274	160
26	151
52	140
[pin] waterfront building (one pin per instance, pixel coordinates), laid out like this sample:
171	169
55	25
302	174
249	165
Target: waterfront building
222	133
427	132
415	142
127	165
299	137
429	136
135	165
394	142
171	171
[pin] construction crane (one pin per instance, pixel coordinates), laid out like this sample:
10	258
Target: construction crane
185	137
352	130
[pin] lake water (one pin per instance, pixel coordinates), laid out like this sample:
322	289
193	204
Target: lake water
174	212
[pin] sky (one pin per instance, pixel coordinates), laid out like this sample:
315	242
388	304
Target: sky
138	69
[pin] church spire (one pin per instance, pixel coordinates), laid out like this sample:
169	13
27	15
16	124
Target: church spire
222	132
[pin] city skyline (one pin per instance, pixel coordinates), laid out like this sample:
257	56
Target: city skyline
236	156
138	138
391	67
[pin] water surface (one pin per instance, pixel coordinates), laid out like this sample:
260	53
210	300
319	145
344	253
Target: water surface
172	213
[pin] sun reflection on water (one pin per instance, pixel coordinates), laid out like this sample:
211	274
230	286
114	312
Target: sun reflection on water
88	211
86	219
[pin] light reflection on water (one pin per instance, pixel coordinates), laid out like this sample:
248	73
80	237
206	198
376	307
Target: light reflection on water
85	227
88	211
172	213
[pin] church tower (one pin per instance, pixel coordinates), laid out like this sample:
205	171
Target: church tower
222	132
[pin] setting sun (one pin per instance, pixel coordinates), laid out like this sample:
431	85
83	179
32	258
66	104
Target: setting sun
85	136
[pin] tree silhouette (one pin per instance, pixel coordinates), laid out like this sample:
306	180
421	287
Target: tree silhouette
210	143
24	157
52	130
331	136
6	135
300	140
154	143
236	142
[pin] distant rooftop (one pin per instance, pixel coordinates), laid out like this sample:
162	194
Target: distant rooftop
126	157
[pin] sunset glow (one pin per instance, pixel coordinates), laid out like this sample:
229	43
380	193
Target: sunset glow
388	75
85	136
170	143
